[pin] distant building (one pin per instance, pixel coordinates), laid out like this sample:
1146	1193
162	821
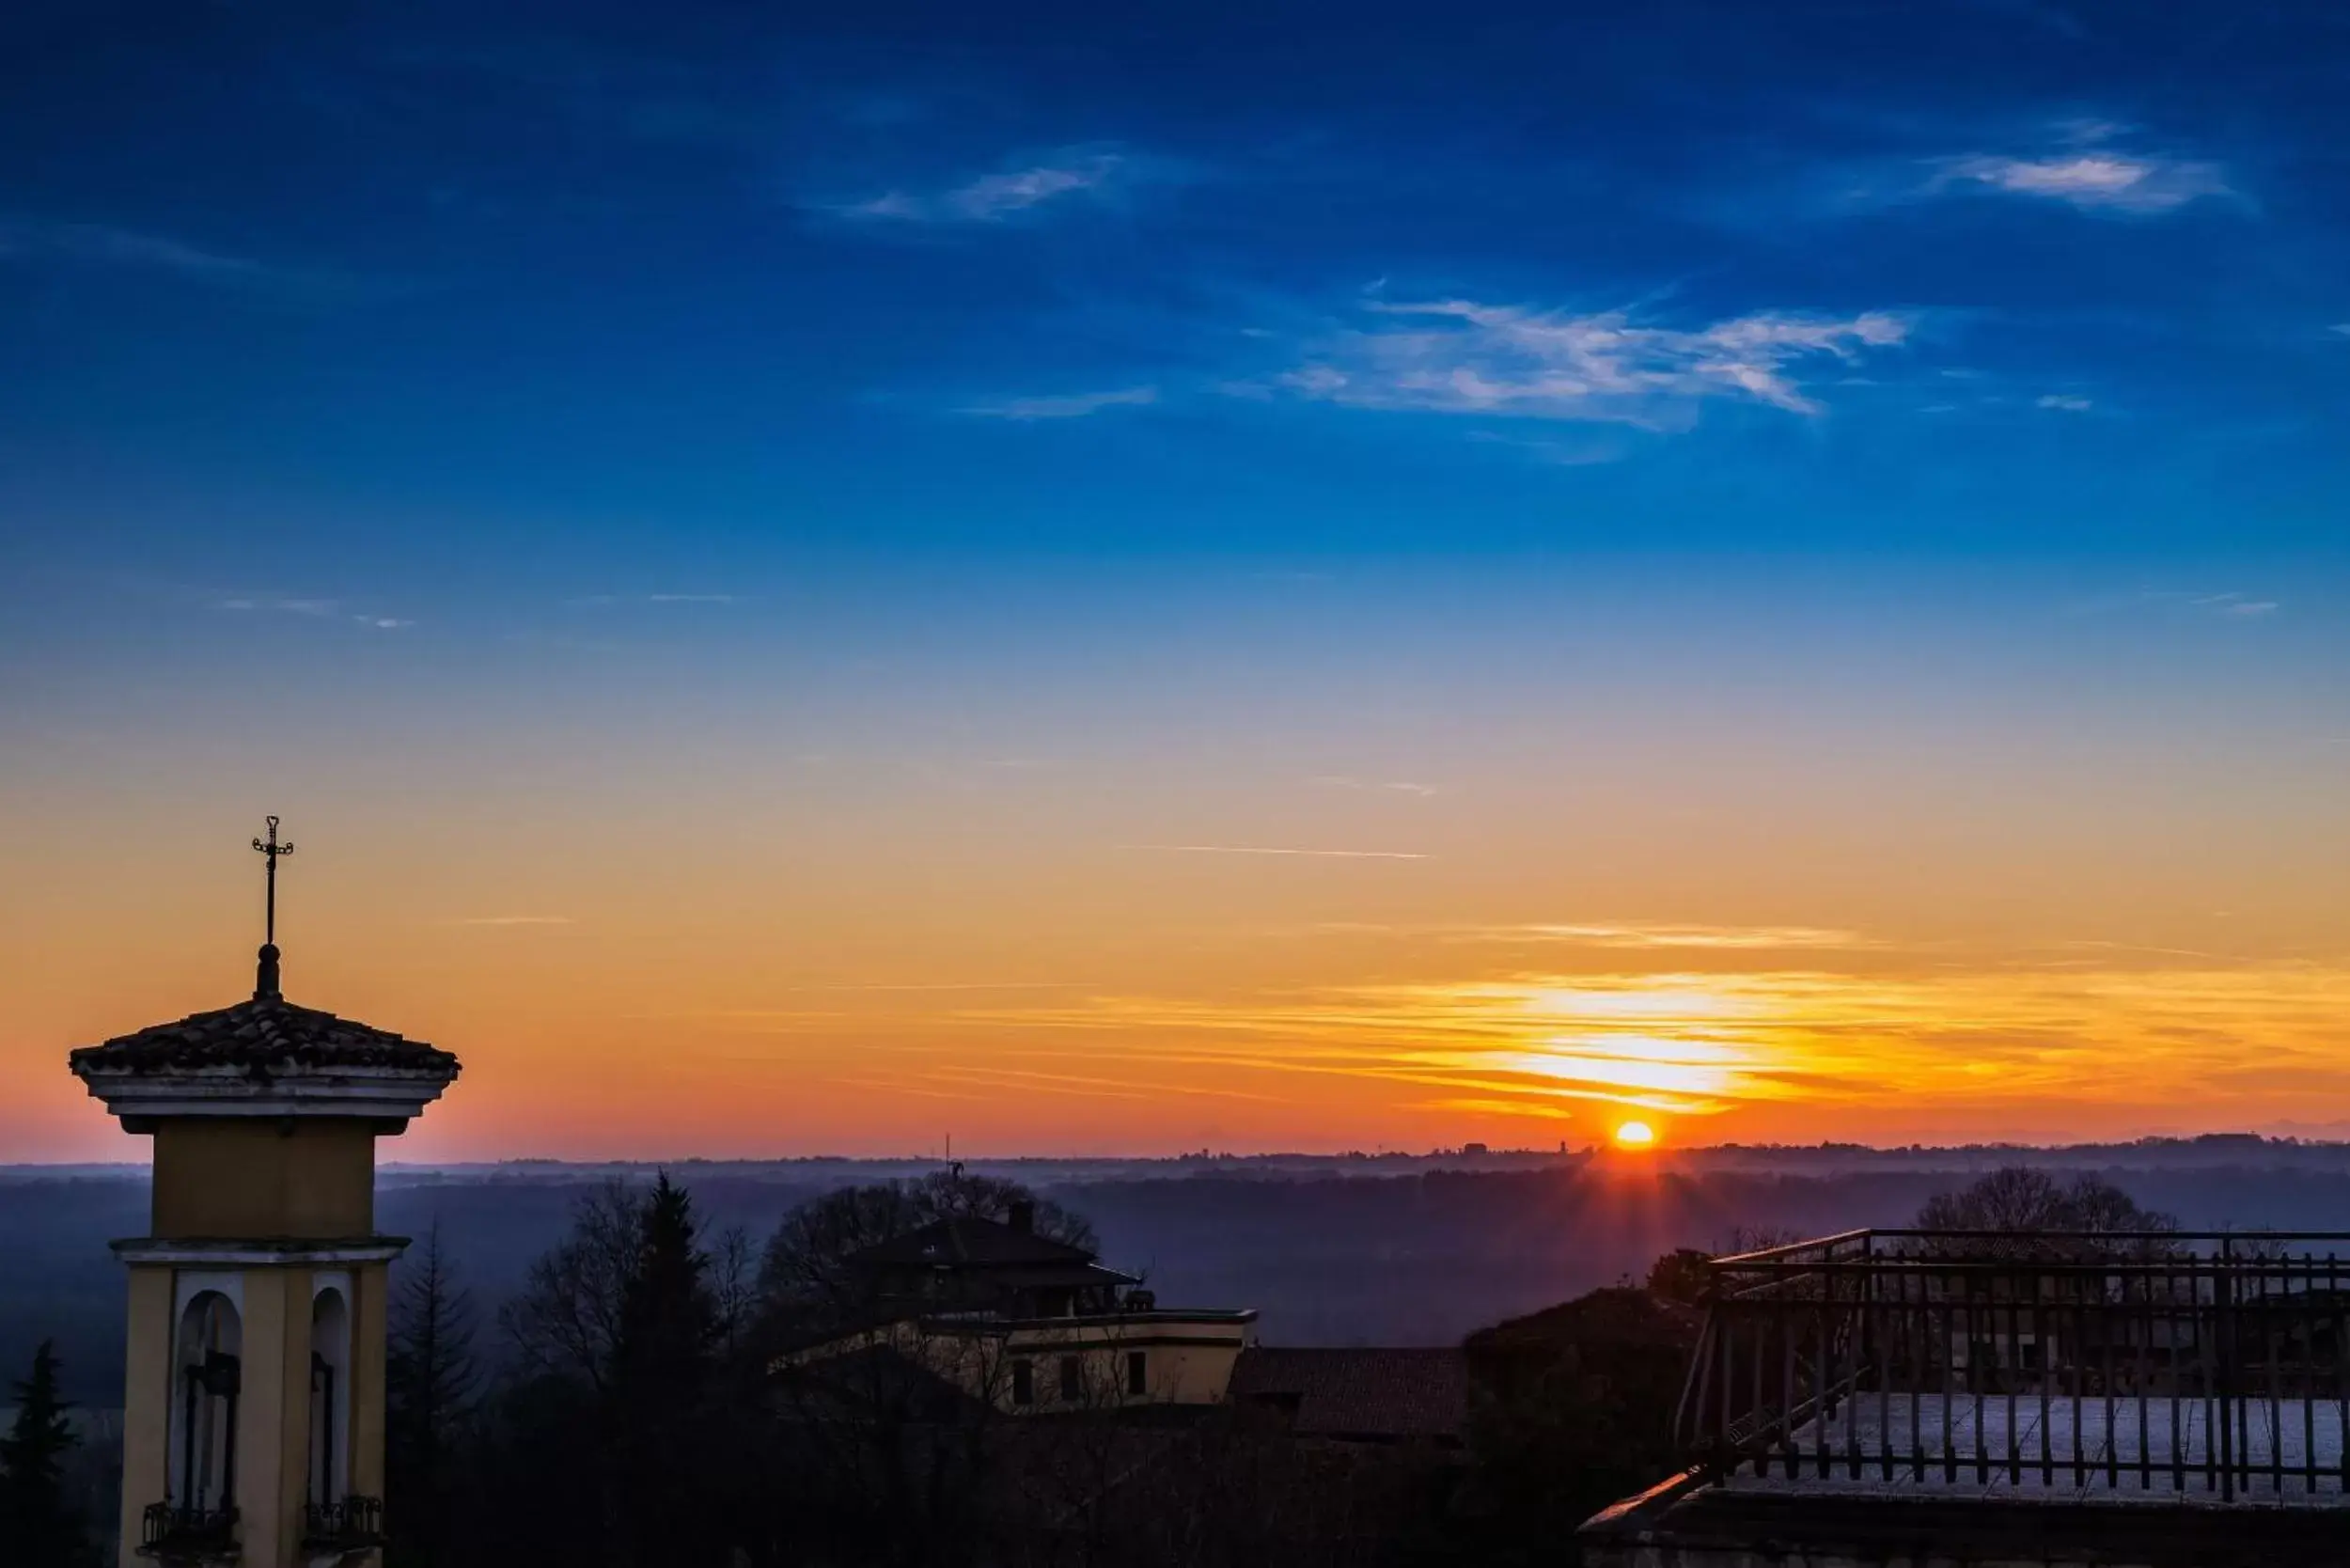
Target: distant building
1029	1324
253	1421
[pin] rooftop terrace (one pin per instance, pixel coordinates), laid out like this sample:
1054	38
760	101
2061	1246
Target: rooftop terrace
2209	1365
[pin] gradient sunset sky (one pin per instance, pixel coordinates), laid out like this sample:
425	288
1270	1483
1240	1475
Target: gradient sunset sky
1110	580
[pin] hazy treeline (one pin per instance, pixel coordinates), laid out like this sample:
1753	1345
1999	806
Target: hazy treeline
1408	1260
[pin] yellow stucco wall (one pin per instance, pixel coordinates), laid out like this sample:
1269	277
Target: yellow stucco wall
263	1414
264	1176
1178	1368
147	1394
1185	1363
370	1285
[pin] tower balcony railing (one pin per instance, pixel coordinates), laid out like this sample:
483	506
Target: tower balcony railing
2206	1365
181	1532
354	1524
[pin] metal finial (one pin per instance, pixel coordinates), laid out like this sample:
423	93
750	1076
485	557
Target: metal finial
265	981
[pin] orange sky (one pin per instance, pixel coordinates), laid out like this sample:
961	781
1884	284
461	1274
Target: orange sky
1056	954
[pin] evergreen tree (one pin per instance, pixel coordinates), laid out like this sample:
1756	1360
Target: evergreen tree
430	1380
669	1318
663	1358
38	1525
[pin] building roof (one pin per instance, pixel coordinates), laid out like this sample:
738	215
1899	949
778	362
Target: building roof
263	1034
1363	1394
1075	1276
1620	1318
967	1241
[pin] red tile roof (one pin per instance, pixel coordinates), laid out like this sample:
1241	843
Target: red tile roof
1363	1394
265	1033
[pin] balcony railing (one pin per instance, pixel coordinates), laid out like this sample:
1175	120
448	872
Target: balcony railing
352	1525
172	1533
2205	1363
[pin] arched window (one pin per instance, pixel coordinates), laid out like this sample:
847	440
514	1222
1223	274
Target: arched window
329	1475
206	1376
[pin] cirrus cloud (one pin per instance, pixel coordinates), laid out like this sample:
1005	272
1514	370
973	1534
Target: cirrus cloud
1003	195
1467	356
2092	179
1067	407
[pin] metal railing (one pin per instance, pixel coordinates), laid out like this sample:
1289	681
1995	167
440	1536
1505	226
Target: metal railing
2214	1363
173	1533
352	1525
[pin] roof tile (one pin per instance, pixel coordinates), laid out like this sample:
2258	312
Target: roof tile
1361	1393
266	1032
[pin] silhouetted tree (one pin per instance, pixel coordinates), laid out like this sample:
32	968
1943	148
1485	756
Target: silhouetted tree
733	1291
2026	1204
1681	1275
613	1437
567	1321
801	1274
39	1526
662	1362
432	1377
668	1322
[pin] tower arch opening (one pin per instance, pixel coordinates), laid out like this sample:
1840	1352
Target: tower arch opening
329	1471
208	1377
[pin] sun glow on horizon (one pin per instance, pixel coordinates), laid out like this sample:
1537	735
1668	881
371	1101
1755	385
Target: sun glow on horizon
1635	1134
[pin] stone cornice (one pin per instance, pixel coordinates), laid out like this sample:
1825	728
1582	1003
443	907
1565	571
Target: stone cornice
247	1251
378	1093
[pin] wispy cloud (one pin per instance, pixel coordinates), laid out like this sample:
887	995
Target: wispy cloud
1644	936
1069	406
2091	178
1394	786
2230	606
906	986
2234	607
30	239
1006	194
313	609
1994	1042
1464	356
1269	849
605	600
2068	402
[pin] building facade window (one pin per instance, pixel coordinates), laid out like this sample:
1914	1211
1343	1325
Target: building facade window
1024	1383
1138	1373
1073	1385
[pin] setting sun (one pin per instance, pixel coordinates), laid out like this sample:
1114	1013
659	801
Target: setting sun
1635	1134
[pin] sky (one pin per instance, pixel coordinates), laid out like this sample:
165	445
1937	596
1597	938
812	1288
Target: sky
1128	579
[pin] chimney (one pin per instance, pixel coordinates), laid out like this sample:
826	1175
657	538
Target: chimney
1023	1217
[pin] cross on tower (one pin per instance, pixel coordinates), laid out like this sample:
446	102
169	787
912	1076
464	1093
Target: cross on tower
276	851
265	981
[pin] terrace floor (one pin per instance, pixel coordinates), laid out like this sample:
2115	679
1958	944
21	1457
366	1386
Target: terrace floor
2109	1449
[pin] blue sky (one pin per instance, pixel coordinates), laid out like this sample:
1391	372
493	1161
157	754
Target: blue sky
1922	414
1976	276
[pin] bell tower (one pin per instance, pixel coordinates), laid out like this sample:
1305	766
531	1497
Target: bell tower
253	1427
